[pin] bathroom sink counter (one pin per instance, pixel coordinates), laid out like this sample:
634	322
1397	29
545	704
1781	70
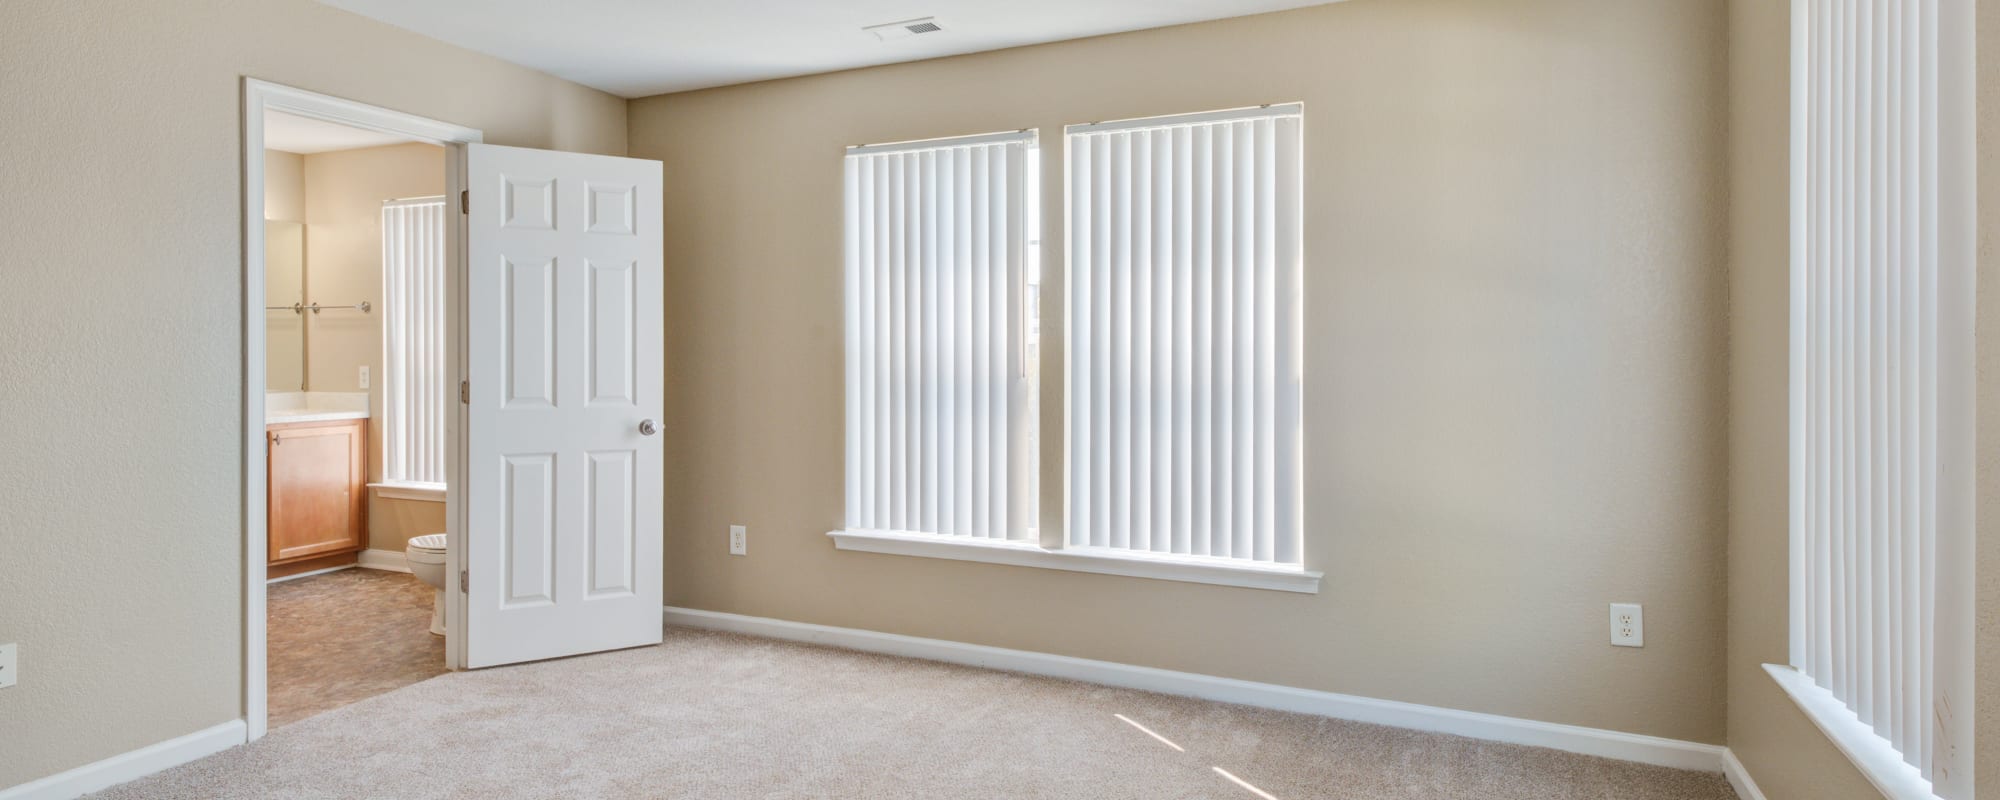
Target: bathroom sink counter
311	415
287	407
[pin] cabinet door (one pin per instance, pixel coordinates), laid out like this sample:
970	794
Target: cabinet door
315	488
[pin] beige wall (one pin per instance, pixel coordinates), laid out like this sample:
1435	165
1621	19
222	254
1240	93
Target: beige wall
392	522
284	186
122	349
344	194
284	269
1515	352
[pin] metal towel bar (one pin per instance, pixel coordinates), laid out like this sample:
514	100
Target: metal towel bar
300	308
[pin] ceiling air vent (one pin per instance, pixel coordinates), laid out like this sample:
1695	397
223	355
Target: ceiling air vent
904	29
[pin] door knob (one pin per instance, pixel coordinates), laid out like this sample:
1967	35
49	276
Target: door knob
647	428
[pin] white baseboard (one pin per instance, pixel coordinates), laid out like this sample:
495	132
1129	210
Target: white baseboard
1573	738
307	574
385	560
1739	777
131	766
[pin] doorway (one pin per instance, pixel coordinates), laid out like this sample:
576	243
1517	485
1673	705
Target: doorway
351	350
545	407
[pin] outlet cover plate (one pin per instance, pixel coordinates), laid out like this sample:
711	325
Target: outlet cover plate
739	540
1628	625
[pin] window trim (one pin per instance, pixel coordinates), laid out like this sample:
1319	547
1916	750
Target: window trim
409	490
1102	561
1873	755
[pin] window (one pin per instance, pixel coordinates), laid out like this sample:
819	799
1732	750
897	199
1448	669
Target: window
1182	394
1184	335
414	386
940	304
1881	623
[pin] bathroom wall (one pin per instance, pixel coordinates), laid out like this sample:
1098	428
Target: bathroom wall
284	186
344	191
1515	352
284	269
122	349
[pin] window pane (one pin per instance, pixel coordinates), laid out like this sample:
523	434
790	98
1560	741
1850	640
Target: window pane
1185	270
940	389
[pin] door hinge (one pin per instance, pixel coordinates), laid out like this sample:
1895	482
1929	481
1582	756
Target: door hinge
464	582
464	201
465	391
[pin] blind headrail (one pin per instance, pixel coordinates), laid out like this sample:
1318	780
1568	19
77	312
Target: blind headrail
1270	111
1023	135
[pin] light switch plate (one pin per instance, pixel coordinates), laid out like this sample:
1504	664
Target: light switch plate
8	664
1628	625
364	376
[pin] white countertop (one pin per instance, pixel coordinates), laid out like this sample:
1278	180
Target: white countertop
287	407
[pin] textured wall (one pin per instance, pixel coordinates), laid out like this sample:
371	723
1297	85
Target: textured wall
121	571
1515	353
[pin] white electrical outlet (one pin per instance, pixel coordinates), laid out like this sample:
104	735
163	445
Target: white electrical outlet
364	376
7	664
1628	625
739	540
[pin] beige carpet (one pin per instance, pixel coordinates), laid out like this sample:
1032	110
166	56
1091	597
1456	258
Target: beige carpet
710	715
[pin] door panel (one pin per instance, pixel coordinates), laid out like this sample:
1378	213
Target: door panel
563	312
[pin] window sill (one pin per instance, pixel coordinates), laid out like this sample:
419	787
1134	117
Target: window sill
429	492
1191	569
1872	754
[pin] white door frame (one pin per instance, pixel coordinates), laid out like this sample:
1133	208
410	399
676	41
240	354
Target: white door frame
258	97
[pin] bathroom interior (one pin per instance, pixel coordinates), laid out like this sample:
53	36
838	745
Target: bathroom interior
355	412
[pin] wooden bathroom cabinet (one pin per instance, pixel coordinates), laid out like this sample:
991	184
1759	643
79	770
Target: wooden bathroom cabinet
316	491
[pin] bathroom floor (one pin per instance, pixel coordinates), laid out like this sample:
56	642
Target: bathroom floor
346	636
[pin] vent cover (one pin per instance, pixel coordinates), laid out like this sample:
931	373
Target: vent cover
904	29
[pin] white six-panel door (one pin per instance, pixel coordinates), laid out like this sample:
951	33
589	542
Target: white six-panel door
563	350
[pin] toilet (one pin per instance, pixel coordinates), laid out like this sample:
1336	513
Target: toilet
426	555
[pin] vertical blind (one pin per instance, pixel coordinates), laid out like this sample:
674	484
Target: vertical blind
1872	372
1184	334
939	399
413	341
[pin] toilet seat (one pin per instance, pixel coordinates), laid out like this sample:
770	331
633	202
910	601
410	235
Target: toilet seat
426	549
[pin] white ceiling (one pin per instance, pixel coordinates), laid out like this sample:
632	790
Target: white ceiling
635	48
306	136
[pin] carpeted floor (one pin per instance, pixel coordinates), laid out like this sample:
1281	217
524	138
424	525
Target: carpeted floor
709	715
346	636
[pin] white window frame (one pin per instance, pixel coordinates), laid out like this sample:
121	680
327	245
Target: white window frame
413	309
1049	550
